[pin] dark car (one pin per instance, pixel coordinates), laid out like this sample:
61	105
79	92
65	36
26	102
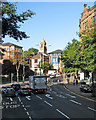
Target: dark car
10	92
24	91
85	87
16	86
3	89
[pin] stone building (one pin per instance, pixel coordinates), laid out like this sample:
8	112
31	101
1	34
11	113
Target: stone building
36	59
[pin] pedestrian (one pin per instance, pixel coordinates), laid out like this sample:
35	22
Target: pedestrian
76	81
58	81
73	82
67	80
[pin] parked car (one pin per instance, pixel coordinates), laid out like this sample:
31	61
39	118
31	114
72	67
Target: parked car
58	75
10	92
16	86
24	91
3	89
85	87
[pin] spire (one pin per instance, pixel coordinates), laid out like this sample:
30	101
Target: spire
43	47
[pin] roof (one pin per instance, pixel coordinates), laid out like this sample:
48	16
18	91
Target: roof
10	44
36	56
56	51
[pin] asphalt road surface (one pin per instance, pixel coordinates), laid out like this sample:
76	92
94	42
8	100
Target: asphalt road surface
57	103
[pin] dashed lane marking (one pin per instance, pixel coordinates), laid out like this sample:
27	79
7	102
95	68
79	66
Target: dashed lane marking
70	95
75	102
25	109
27	113
23	105
30	118
28	98
19	99
48	103
62	114
39	97
92	109
11	99
48	95
80	95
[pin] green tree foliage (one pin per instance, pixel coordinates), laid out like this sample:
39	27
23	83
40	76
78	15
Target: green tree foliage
46	66
7	67
30	51
69	56
87	58
11	21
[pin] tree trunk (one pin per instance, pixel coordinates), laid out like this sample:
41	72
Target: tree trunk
17	75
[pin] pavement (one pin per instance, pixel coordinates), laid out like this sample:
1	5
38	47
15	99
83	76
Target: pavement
75	89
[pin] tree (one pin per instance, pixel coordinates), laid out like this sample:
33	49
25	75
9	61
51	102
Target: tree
30	51
87	58
46	66
11	21
69	56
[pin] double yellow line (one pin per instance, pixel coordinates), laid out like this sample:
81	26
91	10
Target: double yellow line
83	96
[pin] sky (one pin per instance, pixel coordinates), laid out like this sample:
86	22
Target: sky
56	22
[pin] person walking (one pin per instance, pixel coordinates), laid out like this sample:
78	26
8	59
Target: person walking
73	82
76	82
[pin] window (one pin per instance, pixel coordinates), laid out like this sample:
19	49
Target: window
86	25
7	54
8	48
11	53
94	19
36	61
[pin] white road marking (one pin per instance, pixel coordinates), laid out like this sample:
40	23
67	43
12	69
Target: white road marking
61	96
28	98
19	99
54	92
27	113
70	95
11	99
30	118
62	113
21	102
76	102
24	108
23	105
28	106
65	88
92	109
38	97
48	95
48	103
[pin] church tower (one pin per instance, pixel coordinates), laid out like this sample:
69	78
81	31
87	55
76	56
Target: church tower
43	48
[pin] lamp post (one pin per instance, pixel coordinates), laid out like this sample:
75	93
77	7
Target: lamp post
23	66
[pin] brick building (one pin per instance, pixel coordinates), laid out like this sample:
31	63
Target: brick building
88	18
11	51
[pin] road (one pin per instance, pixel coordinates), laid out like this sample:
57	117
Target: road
57	102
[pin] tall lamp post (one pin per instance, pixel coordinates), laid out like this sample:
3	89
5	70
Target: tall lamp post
23	66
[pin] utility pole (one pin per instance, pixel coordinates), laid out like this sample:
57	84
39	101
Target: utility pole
23	66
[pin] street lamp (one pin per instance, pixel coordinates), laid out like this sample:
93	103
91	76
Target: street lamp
23	66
